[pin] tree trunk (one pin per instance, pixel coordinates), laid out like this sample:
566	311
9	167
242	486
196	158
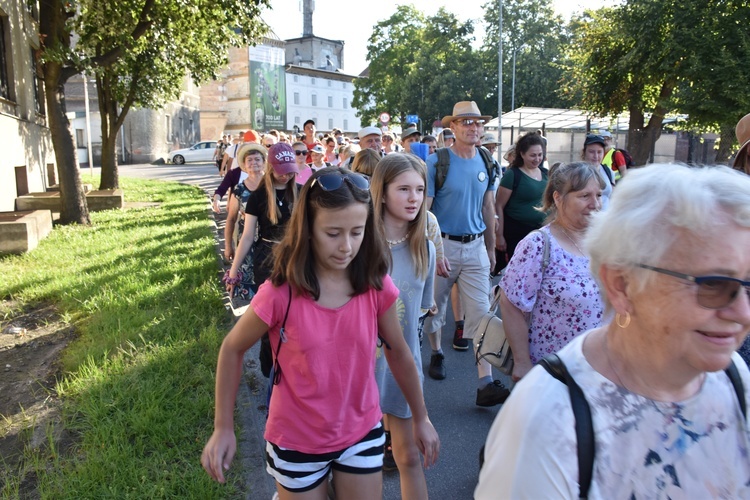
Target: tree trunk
726	140
109	122
73	207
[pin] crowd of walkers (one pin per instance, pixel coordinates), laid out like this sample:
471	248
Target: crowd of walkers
624	292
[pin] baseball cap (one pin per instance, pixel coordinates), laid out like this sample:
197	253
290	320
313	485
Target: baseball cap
369	131
282	160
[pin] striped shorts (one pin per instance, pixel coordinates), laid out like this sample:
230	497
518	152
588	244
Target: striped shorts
298	472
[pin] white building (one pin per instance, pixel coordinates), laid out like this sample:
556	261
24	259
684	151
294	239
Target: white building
324	96
28	160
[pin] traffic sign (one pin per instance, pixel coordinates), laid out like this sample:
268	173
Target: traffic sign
384	117
412	118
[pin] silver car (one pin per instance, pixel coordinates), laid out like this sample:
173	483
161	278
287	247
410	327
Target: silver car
202	151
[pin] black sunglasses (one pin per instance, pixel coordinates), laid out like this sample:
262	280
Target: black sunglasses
300	153
331	181
714	292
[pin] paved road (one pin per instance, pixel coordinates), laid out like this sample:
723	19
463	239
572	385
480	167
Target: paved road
461	424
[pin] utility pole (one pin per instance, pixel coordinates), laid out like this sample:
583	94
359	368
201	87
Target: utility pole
500	84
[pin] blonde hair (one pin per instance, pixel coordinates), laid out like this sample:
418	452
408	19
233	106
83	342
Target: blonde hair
273	209
365	161
386	171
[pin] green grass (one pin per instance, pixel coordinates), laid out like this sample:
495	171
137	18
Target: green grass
141	288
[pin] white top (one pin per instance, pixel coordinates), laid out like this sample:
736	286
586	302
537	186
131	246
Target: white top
645	449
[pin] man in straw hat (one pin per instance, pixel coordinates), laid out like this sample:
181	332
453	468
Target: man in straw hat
464	207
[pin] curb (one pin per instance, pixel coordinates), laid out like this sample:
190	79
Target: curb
251	396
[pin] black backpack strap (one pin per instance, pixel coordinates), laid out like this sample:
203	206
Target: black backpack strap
441	167
584	424
493	169
734	376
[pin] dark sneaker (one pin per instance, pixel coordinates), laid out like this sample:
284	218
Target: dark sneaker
492	394
437	370
459	342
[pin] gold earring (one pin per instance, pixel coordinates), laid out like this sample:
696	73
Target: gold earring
627	320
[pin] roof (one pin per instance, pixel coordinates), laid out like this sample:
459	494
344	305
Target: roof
319	73
570	119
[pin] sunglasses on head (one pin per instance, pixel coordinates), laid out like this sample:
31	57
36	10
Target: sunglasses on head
299	153
713	292
331	181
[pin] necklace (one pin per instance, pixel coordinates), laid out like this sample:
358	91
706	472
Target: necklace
398	241
571	239
609	362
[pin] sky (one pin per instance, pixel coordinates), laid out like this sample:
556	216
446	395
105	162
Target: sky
352	21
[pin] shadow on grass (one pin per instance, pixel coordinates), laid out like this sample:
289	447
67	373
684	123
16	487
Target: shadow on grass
141	286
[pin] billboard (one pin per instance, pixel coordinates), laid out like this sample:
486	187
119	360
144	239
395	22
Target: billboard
267	88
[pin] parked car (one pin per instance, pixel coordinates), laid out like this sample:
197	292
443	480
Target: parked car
202	151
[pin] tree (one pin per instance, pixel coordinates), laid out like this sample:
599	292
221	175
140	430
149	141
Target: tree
536	34
115	41
420	65
391	51
180	42
643	56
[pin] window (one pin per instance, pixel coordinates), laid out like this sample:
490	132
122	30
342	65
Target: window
346	124
343	85
312	81
168	127
80	138
330	83
346	103
36	82
5	59
330	124
296	98
314	99
296	120
330	101
295	78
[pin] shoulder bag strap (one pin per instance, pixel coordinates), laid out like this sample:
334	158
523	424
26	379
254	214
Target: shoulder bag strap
584	425
739	388
282	338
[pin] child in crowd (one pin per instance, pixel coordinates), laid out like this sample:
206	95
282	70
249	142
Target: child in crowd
328	299
398	193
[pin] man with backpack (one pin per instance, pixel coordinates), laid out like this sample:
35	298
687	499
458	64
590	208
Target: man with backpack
461	184
618	160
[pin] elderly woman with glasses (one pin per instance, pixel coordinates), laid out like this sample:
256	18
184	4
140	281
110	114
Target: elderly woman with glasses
673	264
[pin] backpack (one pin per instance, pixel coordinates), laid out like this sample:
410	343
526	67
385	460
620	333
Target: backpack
627	156
444	160
584	424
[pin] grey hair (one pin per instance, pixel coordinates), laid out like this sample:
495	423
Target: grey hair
654	206
566	178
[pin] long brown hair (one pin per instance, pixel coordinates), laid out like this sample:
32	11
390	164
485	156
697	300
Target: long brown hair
294	261
386	171
290	193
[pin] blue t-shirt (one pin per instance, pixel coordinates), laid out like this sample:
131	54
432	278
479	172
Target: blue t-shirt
458	204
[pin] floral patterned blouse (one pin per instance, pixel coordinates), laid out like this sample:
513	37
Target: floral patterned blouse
563	305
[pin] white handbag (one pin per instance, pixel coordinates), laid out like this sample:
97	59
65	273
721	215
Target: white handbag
492	344
491	341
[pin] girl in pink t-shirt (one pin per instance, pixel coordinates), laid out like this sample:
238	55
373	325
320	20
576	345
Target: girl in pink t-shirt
327	300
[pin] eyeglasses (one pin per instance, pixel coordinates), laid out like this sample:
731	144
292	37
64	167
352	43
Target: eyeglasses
299	153
387	139
469	123
714	292
331	181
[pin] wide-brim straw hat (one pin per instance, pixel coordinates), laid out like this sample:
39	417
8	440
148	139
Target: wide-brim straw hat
742	131
463	110
247	147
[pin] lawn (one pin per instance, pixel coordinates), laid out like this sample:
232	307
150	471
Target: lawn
140	288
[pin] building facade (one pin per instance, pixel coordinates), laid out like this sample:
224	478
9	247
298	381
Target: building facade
28	160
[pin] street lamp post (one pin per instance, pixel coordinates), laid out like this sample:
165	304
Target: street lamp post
500	83
513	86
